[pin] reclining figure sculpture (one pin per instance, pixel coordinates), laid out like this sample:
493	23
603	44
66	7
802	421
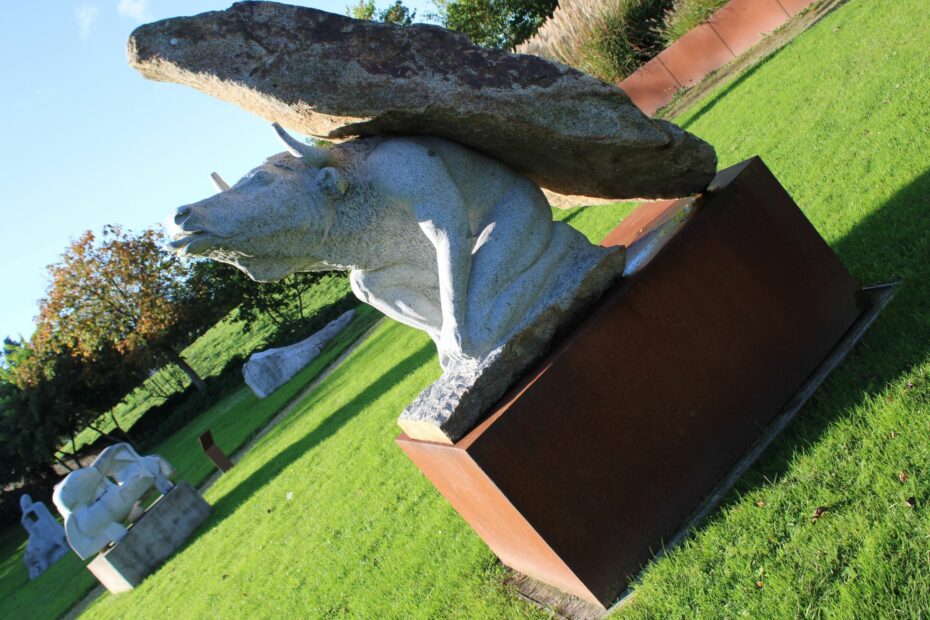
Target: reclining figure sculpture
96	500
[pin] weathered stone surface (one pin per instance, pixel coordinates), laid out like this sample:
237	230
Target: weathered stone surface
451	406
334	77
162	530
268	370
47	542
97	500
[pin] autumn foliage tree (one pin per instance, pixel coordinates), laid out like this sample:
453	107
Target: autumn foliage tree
122	292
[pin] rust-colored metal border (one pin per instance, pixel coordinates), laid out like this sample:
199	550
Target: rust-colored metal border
603	451
733	29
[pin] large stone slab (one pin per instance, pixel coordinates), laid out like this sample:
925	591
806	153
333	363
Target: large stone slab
161	531
334	77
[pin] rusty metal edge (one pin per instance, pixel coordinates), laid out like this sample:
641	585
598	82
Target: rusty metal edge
876	298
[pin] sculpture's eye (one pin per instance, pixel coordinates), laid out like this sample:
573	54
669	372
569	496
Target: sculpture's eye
261	177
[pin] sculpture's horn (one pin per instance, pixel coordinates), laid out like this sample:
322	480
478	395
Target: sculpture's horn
312	156
218	182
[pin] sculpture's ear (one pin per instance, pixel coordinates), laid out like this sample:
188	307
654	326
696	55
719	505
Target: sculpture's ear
332	182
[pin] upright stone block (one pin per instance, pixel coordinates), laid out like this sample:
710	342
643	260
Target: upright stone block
161	531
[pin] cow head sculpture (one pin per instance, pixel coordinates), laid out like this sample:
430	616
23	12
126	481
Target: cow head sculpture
262	224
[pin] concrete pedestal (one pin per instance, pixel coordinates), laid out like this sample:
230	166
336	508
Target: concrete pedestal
619	436
161	531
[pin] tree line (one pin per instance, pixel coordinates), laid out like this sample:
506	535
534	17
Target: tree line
501	24
118	307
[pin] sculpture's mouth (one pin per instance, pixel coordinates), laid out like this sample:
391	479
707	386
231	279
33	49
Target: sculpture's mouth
193	242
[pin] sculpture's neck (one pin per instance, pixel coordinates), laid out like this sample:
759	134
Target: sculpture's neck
353	240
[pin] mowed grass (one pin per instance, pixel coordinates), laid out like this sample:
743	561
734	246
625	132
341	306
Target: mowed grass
233	421
325	517
842	117
208	355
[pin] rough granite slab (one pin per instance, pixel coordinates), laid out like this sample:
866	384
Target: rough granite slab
453	404
334	77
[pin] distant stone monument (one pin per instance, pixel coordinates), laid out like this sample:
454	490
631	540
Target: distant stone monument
47	543
268	370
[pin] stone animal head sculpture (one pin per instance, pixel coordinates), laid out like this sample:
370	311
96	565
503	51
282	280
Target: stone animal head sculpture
434	235
262	223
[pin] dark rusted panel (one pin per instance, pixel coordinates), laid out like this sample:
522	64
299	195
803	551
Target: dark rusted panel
214	453
646	218
606	448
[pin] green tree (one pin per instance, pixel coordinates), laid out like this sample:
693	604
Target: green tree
501	24
395	13
122	292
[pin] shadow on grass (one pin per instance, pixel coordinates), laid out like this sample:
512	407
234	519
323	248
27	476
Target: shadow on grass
891	244
228	504
711	102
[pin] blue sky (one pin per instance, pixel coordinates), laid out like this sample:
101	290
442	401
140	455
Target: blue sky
86	141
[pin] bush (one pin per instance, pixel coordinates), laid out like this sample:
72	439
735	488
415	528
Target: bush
607	38
685	15
627	37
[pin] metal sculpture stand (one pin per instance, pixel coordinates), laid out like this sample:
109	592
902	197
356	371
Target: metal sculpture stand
642	416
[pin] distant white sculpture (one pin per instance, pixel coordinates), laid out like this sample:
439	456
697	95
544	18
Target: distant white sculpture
47	542
268	370
434	235
96	500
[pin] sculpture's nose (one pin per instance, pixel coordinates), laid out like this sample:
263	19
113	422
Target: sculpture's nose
182	214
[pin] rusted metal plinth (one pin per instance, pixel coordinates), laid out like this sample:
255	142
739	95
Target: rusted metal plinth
619	436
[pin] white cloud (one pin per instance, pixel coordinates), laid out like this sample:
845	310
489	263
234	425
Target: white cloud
86	15
134	9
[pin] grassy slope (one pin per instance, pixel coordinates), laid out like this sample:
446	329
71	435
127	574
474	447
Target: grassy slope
233	421
209	354
326	517
842	121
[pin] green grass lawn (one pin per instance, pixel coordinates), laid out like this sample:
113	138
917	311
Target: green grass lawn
326	517
233	421
208	355
843	119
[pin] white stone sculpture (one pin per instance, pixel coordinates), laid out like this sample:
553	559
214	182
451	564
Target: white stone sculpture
433	234
96	500
47	542
268	370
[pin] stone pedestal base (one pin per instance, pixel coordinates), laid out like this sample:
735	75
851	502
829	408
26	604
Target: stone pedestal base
161	531
604	451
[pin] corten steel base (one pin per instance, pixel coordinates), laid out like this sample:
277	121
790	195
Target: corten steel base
617	438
